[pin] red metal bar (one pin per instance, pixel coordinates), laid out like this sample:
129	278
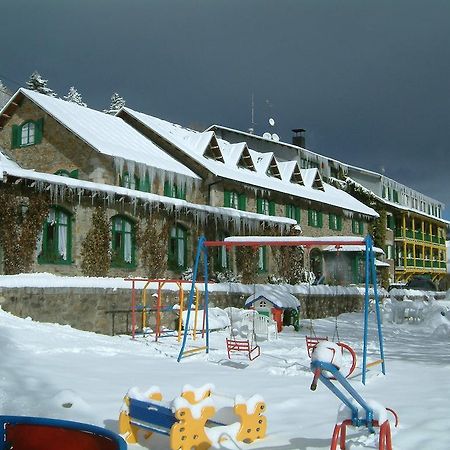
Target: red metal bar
158	313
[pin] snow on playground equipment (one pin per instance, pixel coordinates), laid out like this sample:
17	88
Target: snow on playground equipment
277	241
37	433
356	412
158	308
198	418
248	346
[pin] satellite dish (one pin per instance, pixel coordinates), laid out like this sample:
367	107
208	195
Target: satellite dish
275	137
271	122
267	135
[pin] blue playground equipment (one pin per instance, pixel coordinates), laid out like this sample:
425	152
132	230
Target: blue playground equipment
36	433
257	241
325	372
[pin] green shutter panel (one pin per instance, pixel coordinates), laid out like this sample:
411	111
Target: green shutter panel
259	205
271	208
74	173
226	198
297	213
286	211
320	219
242	202
361	227
309	217
330	221
167	189
39	130
15	137
339	223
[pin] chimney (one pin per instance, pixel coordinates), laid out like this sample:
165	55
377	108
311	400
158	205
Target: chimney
299	137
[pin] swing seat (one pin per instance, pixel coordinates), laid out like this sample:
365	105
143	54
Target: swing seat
234	345
311	343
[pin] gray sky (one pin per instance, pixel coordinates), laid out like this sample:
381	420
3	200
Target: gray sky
368	79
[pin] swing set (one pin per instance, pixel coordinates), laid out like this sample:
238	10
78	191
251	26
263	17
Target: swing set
308	242
147	307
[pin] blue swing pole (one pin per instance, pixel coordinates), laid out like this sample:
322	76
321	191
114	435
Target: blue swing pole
368	240
206	294
191	296
377	307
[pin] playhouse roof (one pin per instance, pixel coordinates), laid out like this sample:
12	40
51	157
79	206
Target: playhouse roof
278	295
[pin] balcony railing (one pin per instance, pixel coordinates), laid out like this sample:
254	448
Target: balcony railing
420	263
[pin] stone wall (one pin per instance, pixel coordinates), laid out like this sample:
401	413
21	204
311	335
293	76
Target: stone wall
95	309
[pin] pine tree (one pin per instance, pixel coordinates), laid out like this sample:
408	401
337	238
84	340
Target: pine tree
117	102
74	96
38	84
95	247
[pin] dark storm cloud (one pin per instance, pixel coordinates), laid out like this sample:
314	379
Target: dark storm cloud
369	80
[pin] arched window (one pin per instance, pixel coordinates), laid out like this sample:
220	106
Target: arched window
28	133
55	243
123	242
177	257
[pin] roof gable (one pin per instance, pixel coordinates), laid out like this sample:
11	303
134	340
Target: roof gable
212	150
312	178
290	171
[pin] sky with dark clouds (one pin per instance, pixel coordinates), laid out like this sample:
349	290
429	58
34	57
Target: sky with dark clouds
368	79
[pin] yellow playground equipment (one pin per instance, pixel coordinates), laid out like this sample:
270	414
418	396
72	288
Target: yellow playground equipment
198	418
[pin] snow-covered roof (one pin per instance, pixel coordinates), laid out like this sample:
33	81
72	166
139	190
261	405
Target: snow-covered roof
351	248
108	134
186	140
59	184
276	294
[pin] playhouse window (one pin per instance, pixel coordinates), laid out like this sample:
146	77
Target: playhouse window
122	243
55	242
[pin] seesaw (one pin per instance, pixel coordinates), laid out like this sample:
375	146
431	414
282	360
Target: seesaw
355	411
198	418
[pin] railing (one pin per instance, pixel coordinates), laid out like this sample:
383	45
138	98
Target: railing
419	263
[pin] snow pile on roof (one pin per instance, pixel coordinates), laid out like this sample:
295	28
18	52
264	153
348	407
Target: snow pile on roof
109	135
277	294
193	143
351	248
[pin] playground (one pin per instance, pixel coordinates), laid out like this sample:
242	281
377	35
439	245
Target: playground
50	370
250	383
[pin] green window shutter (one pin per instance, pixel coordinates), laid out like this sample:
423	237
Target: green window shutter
320	219
145	184
74	173
339	223
15	137
226	198
39	130
259	205
286	210
297	213
330	221
183	192
242	202
271	208
310	214
361	227
167	189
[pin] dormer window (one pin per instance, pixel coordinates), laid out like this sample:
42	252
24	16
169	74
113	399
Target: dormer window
273	170
29	133
245	161
297	176
213	151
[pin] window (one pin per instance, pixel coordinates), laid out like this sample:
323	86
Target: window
177	248
55	243
390	221
335	222
264	206
389	252
357	226
395	195
293	212
174	191
123	242
262	259
29	133
222	256
232	199
128	181
315	218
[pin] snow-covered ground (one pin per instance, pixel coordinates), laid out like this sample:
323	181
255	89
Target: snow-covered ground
56	371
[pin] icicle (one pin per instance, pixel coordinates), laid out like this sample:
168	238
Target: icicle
119	165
